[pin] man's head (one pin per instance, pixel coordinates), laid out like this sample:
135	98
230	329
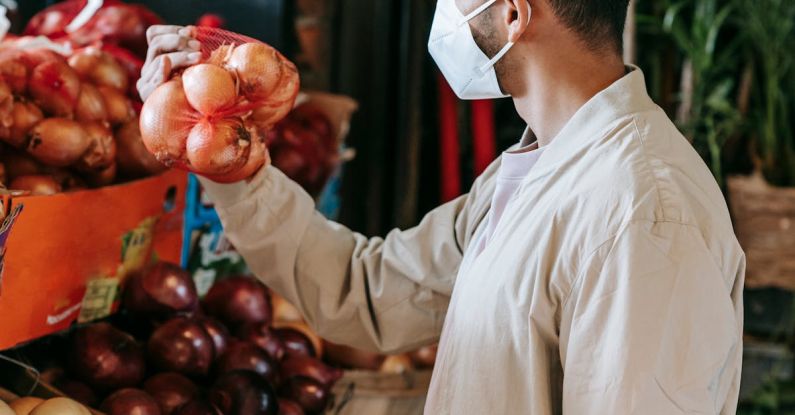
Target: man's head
593	27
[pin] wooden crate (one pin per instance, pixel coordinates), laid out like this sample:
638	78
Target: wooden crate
373	393
764	221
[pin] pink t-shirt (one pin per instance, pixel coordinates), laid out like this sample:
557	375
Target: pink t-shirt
515	166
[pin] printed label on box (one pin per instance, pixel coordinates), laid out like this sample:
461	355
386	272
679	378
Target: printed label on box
98	300
5	231
135	247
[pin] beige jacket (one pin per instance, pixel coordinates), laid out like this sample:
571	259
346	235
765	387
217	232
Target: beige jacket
612	285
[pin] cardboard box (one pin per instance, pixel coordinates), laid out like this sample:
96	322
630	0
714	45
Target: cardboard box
63	257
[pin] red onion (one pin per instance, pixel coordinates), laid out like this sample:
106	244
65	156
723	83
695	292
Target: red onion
130	401
297	365
242	392
247	356
288	407
197	407
105	358
171	390
238	301
296	342
264	337
310	394
181	345
424	357
218	332
349	357
160	290
78	391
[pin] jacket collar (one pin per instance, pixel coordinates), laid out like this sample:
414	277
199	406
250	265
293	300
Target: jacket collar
624	98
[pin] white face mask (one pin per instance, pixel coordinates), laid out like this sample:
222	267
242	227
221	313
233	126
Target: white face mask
467	69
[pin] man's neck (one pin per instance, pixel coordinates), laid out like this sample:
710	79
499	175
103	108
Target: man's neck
555	91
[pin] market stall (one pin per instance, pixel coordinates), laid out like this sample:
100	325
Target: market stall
149	308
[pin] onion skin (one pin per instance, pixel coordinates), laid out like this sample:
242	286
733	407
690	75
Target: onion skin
105	358
103	177
310	367
242	392
24	406
396	364
209	88
424	357
133	158
349	357
60	406
14	71
102	150
247	356
58	142
171	391
90	105
118	106
98	67
40	185
161	290
218	147
55	87
218	332
257	159
130	401
6	104
296	342
260	69
289	407
181	345
238	301
166	120
316	343
310	394
78	391
19	164
197	407
264	337
24	116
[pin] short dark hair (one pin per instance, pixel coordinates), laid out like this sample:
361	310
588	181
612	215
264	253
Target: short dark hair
599	23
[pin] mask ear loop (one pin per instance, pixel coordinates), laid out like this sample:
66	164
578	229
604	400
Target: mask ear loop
482	70
475	12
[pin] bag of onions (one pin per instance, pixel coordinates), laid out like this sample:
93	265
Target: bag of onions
212	118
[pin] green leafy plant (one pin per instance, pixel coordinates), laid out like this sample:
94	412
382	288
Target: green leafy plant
768	27
707	111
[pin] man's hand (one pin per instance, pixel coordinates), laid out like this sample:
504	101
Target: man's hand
170	48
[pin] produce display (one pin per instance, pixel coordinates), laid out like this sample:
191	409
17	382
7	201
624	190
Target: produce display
212	118
68	107
71	120
167	352
63	119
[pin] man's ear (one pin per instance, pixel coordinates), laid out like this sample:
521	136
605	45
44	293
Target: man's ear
517	17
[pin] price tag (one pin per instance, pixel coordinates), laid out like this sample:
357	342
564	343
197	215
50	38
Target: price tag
98	300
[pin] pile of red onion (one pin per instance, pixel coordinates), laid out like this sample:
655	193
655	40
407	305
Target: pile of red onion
216	356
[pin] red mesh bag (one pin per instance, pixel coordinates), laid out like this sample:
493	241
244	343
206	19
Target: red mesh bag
114	23
212	117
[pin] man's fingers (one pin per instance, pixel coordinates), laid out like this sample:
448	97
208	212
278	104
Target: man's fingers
174	60
182	59
168	43
158	30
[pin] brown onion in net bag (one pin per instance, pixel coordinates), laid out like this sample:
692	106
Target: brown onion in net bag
211	118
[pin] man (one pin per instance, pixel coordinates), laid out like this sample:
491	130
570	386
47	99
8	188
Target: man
590	270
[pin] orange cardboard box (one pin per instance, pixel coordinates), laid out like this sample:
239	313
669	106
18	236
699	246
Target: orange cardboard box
63	257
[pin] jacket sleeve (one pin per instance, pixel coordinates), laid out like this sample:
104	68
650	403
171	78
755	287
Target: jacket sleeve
653	328
385	294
